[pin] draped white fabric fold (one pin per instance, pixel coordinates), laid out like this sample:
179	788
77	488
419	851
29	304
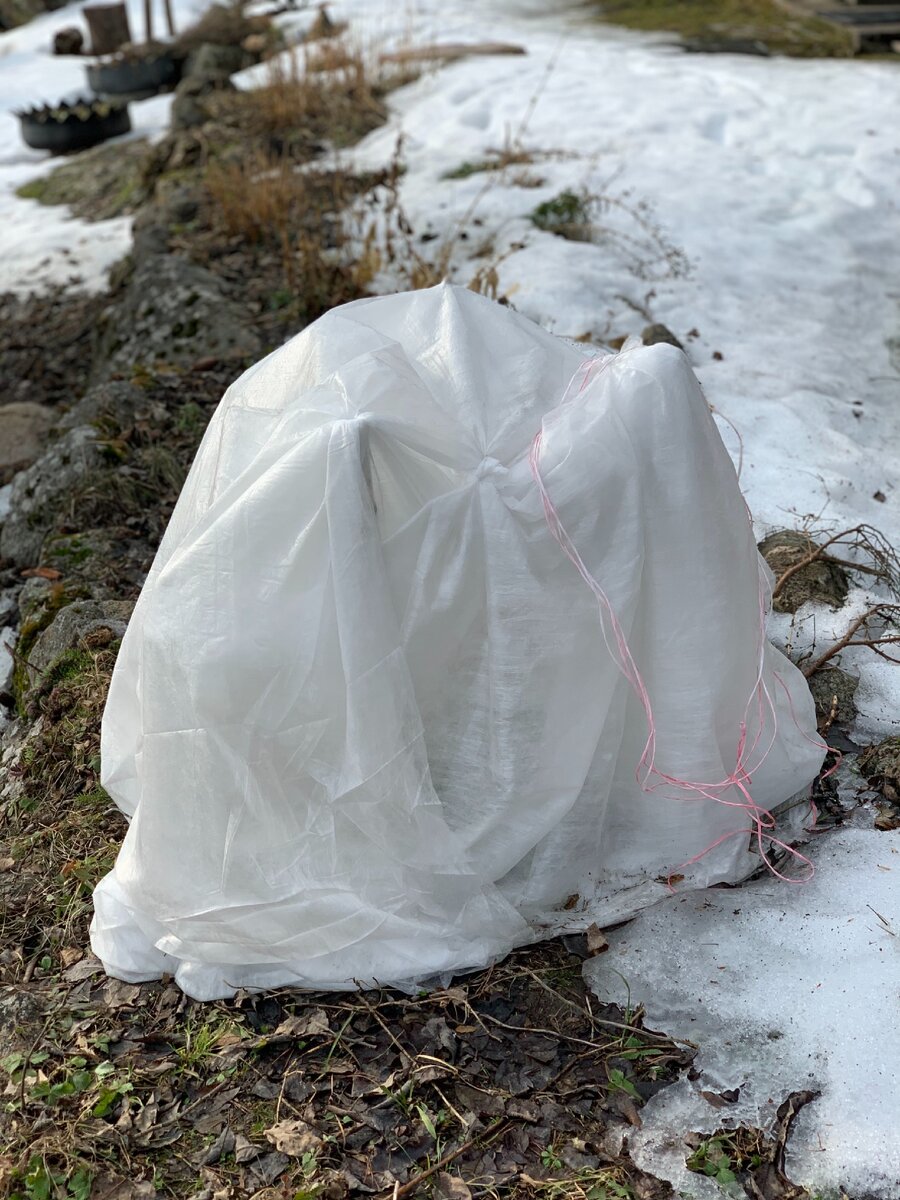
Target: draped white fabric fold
364	718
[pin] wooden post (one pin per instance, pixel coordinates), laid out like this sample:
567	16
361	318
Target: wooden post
109	27
148	20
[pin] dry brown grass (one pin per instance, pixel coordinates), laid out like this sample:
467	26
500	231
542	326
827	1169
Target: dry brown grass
265	200
341	107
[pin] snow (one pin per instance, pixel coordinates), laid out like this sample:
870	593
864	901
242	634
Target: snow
784	989
780	181
40	246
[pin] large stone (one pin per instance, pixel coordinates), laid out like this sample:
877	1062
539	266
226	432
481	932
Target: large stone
190	107
23	434
81	621
7	663
215	62
106	181
173	312
41	492
112	403
33	599
823	581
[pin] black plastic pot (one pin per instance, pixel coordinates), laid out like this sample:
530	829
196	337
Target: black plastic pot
132	76
62	128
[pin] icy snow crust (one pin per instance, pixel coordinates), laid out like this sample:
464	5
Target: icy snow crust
783	989
780	180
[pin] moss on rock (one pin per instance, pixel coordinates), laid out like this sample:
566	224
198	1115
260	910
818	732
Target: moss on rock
97	184
822	581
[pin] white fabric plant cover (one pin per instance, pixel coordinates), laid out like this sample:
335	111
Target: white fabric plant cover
365	720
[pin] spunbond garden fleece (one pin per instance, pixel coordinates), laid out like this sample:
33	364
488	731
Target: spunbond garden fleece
455	640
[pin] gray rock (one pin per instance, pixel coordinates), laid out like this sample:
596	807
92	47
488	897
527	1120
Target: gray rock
33	598
173	312
9	605
23	433
21	1017
150	239
78	621
212	61
106	181
179	204
7	663
41	491
5	499
188	109
654	335
174	205
116	402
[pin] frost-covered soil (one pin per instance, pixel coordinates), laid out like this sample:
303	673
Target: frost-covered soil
779	181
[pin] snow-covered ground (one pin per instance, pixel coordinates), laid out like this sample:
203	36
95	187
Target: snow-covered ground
780	182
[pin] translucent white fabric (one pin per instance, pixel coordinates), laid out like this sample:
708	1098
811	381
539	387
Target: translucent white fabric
365	721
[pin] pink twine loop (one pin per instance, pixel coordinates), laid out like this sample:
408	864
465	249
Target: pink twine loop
761	820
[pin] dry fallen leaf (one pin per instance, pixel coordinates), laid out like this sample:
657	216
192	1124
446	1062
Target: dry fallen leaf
84	968
294	1138
41	573
450	1187
596	942
303	1024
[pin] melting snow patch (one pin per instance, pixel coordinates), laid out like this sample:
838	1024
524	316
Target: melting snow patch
782	988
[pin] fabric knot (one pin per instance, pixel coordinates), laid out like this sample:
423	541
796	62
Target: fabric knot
489	466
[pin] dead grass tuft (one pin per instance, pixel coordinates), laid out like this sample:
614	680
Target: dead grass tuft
64	832
297	102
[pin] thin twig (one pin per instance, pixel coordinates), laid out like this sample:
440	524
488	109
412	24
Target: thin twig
814	554
412	1184
847	640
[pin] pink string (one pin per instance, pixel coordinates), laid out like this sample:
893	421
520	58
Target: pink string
761	820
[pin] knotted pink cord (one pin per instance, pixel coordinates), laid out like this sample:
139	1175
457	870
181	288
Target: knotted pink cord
761	819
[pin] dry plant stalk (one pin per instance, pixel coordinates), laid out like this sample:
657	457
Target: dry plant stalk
296	94
862	538
875	627
887	615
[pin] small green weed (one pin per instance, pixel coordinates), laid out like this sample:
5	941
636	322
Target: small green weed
624	226
619	1082
40	1182
203	1041
76	1077
568	215
728	1152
